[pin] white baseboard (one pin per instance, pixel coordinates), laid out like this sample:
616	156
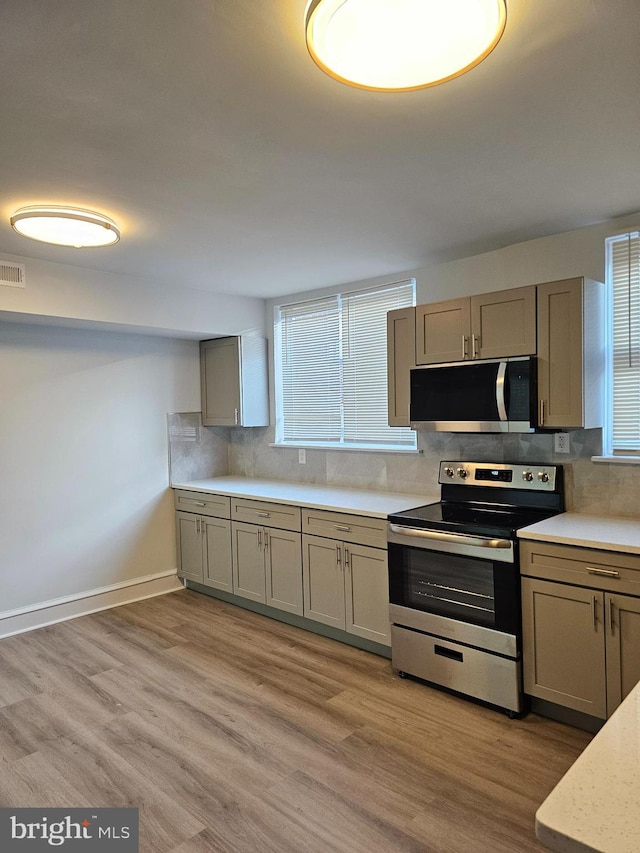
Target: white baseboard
81	604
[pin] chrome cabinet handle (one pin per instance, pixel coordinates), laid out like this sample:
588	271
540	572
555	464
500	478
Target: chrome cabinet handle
196	503
604	573
346	557
235	416
266	541
259	537
339	556
612	617
475	341
541	415
264	515
342	527
594	607
465	348
198	526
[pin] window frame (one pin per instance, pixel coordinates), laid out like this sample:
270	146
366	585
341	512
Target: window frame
611	453
341	445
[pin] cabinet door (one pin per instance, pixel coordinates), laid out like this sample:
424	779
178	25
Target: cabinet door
217	568
283	564
503	324
623	647
442	331
560	346
563	645
189	546
401	357
367	593
220	382
248	561
323	580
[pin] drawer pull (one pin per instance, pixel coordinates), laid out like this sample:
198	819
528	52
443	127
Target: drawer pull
444	652
612	617
604	573
264	515
594	608
342	527
197	503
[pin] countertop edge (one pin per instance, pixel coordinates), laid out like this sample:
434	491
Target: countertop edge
397	501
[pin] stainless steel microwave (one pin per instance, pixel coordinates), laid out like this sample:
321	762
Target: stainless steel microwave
497	395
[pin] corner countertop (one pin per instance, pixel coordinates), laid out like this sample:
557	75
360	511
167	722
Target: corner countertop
595	807
332	498
587	531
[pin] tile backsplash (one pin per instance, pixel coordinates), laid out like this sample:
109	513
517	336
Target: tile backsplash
590	487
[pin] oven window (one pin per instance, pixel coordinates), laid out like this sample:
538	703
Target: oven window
447	584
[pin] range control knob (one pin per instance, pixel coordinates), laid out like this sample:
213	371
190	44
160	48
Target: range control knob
543	476
449	471
463	473
527	475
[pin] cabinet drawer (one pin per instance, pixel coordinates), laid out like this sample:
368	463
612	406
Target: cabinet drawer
605	570
268	514
347	528
202	503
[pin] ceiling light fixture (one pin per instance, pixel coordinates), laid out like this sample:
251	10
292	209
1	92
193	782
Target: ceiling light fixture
401	45
65	226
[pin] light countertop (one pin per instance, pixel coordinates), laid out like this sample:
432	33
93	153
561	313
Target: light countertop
332	498
587	531
596	804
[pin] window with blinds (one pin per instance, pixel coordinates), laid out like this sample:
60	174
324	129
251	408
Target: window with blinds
331	370
623	286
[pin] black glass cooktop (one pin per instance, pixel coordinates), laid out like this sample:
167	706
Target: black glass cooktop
471	518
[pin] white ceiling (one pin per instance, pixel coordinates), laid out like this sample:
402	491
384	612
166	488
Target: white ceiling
233	164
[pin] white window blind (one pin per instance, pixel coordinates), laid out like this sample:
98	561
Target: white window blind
331	370
623	282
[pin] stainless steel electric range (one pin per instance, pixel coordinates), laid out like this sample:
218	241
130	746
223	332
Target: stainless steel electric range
454	578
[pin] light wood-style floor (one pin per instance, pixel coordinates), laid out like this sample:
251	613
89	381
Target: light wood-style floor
235	733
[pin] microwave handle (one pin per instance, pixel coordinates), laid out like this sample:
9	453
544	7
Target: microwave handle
500	391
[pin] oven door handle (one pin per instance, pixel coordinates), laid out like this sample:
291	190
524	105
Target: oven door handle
454	538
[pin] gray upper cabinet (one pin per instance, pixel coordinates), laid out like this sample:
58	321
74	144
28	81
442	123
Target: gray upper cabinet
442	331
570	354
491	325
233	378
401	356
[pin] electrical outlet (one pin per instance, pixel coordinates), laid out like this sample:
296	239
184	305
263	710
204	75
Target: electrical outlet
561	442
302	456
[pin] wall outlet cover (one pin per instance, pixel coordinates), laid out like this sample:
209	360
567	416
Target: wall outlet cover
561	442
302	456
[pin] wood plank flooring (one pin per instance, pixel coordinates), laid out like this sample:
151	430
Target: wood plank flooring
234	733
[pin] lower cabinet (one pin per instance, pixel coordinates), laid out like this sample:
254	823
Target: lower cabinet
267	566
204	550
336	573
346	586
581	644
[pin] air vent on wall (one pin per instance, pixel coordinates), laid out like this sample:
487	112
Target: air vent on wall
11	274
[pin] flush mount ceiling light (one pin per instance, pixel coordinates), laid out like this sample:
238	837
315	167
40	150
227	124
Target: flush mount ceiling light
400	45
65	226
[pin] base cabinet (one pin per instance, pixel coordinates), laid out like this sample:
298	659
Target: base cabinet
204	550
267	566
564	648
334	573
346	586
581	643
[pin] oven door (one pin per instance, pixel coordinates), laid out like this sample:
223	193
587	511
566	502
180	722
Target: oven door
469	579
